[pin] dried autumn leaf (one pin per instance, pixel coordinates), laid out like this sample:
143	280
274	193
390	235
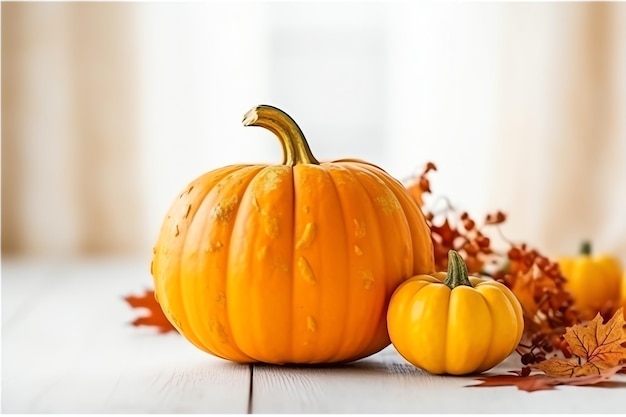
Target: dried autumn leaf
155	317
555	367
598	342
540	382
603	376
524	383
421	184
598	347
524	289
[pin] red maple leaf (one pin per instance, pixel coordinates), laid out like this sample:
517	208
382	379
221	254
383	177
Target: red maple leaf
155	317
541	382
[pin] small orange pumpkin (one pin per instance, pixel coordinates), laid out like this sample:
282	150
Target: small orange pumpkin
290	263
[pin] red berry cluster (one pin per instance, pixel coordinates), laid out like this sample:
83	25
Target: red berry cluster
539	284
542	344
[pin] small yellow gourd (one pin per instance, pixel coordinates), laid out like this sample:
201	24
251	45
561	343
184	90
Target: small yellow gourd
454	324
593	280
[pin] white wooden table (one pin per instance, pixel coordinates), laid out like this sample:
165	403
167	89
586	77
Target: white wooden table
67	347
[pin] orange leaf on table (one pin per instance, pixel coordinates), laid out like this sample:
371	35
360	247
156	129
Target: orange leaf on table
600	350
155	317
599	346
524	383
540	382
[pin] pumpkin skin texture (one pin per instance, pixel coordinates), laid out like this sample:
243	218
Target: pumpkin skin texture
593	280
290	263
449	323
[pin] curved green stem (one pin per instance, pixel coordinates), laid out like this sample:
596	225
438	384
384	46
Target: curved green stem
295	147
457	271
585	248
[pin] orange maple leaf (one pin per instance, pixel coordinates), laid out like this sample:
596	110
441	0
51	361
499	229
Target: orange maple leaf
539	382
598	347
155	317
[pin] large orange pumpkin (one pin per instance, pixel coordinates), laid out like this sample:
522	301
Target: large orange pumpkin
290	263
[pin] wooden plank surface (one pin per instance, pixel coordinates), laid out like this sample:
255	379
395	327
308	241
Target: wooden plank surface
385	383
70	350
17	292
67	347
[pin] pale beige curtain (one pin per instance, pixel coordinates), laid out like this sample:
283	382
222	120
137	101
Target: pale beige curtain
559	169
523	108
69	129
74	98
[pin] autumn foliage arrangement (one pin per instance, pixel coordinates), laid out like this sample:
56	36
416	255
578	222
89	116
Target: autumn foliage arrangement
598	352
560	343
558	346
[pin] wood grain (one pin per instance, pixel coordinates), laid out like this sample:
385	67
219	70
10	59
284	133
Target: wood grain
67	348
21	280
385	383
70	350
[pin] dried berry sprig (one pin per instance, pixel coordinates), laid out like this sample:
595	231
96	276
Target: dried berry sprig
535	280
541	283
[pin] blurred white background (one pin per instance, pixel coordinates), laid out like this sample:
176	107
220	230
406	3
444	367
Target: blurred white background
110	109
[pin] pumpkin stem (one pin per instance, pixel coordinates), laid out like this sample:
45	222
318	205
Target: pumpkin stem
457	271
295	147
585	248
